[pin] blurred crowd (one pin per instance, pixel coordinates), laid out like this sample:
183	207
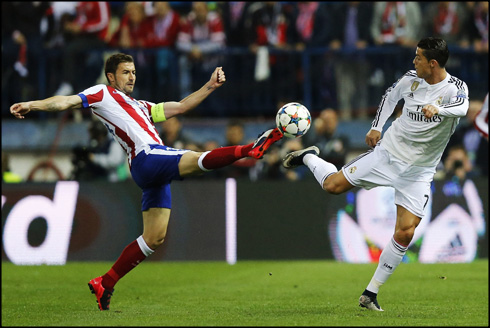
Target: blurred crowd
188	39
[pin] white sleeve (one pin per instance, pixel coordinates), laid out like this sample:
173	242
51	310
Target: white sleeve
387	105
458	102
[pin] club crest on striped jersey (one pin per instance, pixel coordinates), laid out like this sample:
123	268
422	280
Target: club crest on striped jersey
352	169
415	85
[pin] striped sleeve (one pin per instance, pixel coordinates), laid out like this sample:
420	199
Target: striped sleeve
92	96
388	103
459	101
148	105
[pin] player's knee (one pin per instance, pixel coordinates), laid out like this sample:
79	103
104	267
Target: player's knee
404	236
156	240
336	184
155	243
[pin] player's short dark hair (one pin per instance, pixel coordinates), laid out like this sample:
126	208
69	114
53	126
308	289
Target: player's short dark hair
113	62
434	48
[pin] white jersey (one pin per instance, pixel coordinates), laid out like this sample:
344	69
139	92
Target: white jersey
412	137
127	119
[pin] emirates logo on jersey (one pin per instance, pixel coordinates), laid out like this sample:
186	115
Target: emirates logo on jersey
420	117
415	85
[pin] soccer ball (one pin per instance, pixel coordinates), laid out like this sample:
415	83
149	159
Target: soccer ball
293	120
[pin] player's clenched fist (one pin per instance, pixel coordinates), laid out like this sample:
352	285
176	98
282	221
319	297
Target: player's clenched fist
19	109
221	75
430	110
218	77
372	137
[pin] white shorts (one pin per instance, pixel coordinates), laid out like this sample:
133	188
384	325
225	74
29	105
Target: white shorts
378	167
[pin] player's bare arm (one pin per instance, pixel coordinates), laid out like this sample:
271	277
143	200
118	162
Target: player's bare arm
173	108
52	104
430	110
372	137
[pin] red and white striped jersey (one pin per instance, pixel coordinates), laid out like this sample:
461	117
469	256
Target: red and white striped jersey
127	119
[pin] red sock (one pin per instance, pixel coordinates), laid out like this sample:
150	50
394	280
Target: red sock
130	257
224	156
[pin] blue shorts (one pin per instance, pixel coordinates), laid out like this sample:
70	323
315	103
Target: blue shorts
153	171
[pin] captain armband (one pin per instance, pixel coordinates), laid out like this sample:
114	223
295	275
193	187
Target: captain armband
157	113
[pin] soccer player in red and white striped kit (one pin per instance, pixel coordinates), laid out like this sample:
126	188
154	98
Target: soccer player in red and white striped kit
152	164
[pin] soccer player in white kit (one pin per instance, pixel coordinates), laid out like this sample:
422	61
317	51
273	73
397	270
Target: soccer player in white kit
407	155
152	164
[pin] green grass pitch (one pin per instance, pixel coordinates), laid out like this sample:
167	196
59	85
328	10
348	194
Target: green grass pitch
249	293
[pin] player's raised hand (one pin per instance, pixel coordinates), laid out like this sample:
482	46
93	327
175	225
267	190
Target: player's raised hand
372	137
20	109
218	77
430	110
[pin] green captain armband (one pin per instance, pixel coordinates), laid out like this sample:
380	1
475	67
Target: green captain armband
157	113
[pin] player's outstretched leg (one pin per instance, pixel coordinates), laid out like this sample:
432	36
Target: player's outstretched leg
369	301
264	141
320	168
102	294
295	158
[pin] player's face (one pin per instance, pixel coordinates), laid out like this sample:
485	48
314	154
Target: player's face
422	66
125	78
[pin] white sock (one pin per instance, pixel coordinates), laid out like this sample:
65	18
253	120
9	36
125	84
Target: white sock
199	161
320	168
144	247
391	256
